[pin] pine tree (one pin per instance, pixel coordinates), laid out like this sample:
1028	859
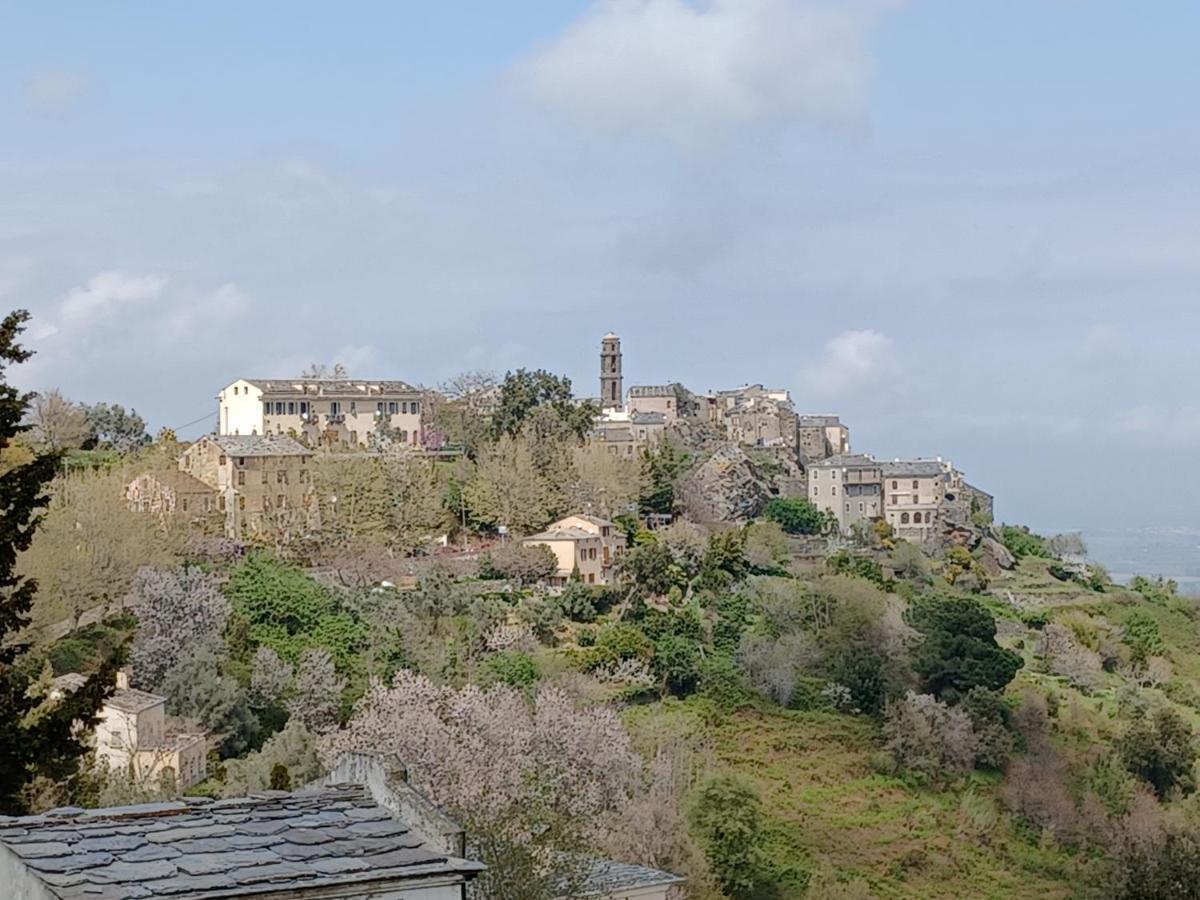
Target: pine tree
37	737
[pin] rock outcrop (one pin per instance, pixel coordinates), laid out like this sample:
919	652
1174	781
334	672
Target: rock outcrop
725	488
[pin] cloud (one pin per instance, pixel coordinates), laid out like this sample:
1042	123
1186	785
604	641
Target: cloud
54	90
226	303
105	293
853	359
684	69
1159	426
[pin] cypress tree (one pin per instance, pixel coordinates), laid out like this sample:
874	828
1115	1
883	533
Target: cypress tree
38	736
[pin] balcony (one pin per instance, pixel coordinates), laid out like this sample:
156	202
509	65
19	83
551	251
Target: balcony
335	418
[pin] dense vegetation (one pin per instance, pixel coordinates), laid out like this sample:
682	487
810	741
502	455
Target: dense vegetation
866	719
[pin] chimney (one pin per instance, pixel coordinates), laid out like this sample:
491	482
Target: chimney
123	678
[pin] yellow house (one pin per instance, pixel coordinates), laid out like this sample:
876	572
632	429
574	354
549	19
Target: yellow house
583	543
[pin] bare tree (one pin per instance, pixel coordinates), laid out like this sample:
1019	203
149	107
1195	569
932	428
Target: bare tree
177	609
56	423
318	691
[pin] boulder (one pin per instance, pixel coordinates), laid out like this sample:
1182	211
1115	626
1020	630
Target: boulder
725	488
998	552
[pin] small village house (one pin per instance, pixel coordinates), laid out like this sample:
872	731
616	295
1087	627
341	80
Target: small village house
583	544
914	492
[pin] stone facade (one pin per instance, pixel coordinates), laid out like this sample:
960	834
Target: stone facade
262	483
849	486
324	411
612	394
820	437
661	399
914	491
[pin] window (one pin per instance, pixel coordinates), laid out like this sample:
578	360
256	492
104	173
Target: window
591	577
235	390
915	484
354	437
393	407
903	518
816	491
860	508
221	460
334	407
303	476
241	478
895	485
221	503
266	407
404	437
241	461
816	474
414	407
304	407
279	500
847	507
916	499
291	407
404	407
183	504
281	477
833	490
264	476
895	499
242	502
379	408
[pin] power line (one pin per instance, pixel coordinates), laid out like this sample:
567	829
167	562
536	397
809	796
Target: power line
179	428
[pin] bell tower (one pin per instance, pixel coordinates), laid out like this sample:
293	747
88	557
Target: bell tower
612	390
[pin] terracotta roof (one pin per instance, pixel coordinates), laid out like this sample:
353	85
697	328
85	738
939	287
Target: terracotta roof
563	534
332	839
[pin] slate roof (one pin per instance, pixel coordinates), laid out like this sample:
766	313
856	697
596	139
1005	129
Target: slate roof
648	418
608	877
261	445
846	461
913	468
203	849
563	534
332	387
819	421
132	700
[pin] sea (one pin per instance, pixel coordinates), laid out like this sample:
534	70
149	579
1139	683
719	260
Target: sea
1170	551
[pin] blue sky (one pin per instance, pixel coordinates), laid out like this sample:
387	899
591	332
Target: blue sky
970	227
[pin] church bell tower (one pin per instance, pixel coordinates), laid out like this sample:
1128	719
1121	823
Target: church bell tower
612	391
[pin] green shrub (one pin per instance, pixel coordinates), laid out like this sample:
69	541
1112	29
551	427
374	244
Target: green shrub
795	515
1022	542
618	642
726	817
720	680
510	667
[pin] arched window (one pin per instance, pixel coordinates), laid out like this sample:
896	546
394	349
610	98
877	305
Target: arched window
903	518
928	518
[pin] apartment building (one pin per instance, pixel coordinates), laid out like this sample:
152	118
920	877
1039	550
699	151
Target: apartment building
583	543
261	482
850	487
325	411
914	493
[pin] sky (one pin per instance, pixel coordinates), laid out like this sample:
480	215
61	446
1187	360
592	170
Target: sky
969	227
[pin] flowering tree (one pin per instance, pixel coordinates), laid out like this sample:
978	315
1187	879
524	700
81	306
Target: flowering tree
177	610
318	691
529	781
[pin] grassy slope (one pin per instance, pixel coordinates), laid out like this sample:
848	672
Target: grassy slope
826	806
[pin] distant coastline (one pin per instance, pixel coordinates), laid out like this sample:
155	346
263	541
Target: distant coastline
1170	551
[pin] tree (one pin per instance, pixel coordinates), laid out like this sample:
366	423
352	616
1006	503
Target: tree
506	489
437	597
177	609
515	561
660	467
294	749
55	423
795	515
523	391
929	738
959	650
605	482
317	696
726	816
39	737
199	687
112	428
1022	542
1160	748
270	679
530	781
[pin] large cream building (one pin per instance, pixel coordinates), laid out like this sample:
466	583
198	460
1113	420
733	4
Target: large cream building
323	410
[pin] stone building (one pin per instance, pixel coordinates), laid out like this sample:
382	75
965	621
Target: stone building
849	486
324	410
612	395
171	493
261	482
819	437
756	416
662	399
585	544
914	491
